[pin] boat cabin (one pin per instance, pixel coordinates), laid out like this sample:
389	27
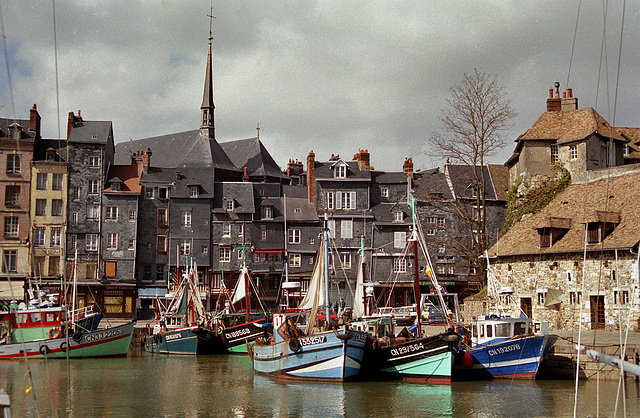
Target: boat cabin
487	330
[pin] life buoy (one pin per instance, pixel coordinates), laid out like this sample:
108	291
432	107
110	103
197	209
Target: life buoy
53	333
63	346
294	345
77	337
44	349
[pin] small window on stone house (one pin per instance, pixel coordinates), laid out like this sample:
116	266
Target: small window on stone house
229	204
194	191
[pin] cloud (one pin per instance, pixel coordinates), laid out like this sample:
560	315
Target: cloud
333	76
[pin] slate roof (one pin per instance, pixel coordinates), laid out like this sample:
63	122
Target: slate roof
241	193
463	176
614	199
128	175
324	170
429	184
251	153
389	177
91	132
384	213
5	123
190	177
301	210
295	191
182	149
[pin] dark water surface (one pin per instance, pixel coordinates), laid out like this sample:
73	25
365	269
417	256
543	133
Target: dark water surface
151	386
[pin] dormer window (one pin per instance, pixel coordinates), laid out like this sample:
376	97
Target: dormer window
115	187
194	191
552	230
267	212
601	225
230	204
398	216
51	155
341	171
384	192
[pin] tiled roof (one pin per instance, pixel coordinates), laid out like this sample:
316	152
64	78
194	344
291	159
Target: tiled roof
569	125
613	199
129	176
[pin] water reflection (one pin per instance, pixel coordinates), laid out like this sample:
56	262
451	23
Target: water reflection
226	386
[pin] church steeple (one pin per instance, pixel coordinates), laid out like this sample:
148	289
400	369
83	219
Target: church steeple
207	126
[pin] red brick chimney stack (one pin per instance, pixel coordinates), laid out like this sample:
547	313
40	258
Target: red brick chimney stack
364	160
34	121
245	176
407	167
294	168
557	103
71	122
311	176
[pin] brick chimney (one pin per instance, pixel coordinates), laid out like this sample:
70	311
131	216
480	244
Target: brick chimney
311	176
568	101
245	177
334	157
72	121
34	121
294	168
407	167
363	158
554	102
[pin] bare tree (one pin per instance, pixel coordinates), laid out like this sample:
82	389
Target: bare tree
474	119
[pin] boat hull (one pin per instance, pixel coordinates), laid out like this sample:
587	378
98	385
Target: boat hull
517	358
238	337
110	342
185	341
325	356
428	359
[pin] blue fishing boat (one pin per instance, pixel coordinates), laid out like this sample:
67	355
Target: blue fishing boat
502	347
184	327
310	349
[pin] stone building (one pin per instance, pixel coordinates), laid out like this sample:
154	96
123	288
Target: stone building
585	244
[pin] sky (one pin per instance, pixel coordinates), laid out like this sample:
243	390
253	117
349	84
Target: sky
334	77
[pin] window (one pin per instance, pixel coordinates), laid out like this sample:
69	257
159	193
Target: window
41	207
38	237
94	161
573	150
554	153
13	164
9	258
263	232
56	207
162	244
92	211
226	229
146	272
205	249
194	191
341	171
294	260
148	192
432	220
163	193
56	237
267	212
294	236
186	218
75	193
110	269
575	298
41	181
398	216
112	241
345	200
225	254
346	229
115	187
241	230
132	244
11	196
399	239
91	242
441	223
442	249
185	247
431	231
132	216
94	186
541	297
345	259
384	192
310	260
11	227
56	181
330	200
162	216
230	204
74	218
627	150
450	270
399	265
331	224
621	297
73	241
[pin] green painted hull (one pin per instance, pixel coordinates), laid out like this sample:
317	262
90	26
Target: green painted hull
433	368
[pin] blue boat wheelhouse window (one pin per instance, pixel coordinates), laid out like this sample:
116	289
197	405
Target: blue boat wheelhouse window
489	331
519	328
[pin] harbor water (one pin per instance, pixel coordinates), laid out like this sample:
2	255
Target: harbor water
155	385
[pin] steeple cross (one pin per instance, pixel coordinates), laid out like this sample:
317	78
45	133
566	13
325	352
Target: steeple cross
211	17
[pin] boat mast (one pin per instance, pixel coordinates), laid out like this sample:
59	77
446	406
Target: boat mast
245	273
414	239
286	251
325	230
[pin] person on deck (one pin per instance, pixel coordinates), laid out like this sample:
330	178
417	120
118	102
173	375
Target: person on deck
342	306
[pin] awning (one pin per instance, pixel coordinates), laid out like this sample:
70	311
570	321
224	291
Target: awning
151	292
11	291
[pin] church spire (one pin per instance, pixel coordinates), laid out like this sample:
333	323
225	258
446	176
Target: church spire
207	126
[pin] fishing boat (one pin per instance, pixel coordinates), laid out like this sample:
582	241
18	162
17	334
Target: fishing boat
110	342
299	349
184	327
501	346
240	330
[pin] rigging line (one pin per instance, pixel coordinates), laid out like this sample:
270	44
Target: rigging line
615	97
603	53
573	46
55	50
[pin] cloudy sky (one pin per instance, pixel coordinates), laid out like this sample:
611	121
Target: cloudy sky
328	76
